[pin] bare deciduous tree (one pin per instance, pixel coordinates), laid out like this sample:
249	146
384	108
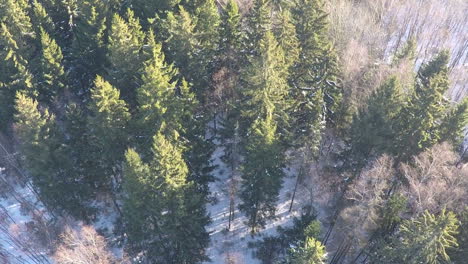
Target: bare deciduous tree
435	182
82	245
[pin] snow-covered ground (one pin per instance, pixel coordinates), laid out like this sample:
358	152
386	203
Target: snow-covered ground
20	215
231	247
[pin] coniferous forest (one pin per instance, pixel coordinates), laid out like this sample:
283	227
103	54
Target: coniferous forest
233	131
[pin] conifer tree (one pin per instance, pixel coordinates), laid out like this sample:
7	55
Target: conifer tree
14	74
454	122
52	77
259	23
419	122
162	98
125	43
148	9
89	37
312	252
422	240
287	38
46	158
41	19
373	129
14	14
266	84
107	126
191	43
262	173
460	254
230	35
208	35
317	65
161	208
159	97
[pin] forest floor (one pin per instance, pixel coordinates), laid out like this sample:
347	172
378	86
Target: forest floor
231	246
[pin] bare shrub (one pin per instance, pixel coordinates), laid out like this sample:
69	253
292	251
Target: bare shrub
82	245
435	182
367	195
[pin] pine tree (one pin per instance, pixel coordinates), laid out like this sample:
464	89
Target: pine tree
125	43
262	173
52	77
161	207
317	65
107	128
422	240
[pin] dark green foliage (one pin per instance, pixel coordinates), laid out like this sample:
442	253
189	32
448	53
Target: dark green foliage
419	122
454	122
273	249
164	215
265	85
126	40
459	255
391	213
46	158
422	240
262	173
317	67
373	129
259	23
52	74
107	128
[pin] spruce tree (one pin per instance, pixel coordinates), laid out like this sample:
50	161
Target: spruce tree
125	43
230	36
161	207
107	128
258	24
287	38
88	43
312	252
422	240
207	30
265	83
317	65
14	14
373	130
41	19
419	122
262	173
159	96
52	77
46	159
454	123
14	74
